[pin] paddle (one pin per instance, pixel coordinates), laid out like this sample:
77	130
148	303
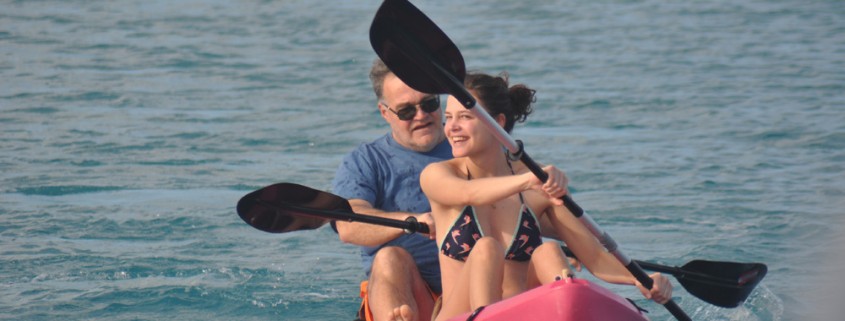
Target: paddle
286	207
424	57
724	284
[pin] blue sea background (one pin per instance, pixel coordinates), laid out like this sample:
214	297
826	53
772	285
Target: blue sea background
130	129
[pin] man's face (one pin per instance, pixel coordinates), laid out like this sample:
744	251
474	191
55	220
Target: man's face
420	133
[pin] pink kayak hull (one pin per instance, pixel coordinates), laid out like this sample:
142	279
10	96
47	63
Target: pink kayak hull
565	300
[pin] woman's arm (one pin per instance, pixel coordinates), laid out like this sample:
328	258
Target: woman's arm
587	248
442	185
601	263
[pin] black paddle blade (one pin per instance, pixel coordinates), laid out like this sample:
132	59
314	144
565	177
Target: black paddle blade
417	51
274	208
725	284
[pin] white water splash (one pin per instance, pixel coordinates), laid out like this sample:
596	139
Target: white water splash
761	305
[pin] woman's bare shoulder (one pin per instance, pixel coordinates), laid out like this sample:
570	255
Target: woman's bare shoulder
451	166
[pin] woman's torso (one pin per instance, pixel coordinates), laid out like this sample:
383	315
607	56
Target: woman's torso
499	221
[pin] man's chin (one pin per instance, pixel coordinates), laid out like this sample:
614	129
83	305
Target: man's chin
426	142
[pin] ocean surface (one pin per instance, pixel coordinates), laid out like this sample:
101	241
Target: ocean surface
130	129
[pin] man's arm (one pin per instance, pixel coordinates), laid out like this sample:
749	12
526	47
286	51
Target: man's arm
364	234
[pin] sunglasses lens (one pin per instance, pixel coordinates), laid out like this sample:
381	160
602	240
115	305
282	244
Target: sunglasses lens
430	105
407	113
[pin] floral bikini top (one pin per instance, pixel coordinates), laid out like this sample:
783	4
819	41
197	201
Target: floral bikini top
465	231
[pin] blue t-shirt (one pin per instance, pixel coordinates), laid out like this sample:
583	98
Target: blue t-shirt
387	175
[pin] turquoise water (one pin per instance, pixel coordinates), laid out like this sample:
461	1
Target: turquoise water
129	130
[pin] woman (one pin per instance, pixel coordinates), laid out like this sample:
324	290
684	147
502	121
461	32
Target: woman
487	211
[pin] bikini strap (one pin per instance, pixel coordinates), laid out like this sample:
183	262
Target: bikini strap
521	200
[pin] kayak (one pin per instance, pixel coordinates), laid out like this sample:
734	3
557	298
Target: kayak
569	299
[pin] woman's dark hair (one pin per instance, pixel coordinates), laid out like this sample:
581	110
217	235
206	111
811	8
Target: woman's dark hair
497	97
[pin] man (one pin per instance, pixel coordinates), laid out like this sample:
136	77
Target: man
381	178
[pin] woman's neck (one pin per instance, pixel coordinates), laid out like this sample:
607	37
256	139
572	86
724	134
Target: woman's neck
489	164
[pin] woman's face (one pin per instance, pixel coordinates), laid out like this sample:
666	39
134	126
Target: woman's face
465	131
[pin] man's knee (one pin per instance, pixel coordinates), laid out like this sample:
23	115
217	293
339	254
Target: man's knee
392	256
392	261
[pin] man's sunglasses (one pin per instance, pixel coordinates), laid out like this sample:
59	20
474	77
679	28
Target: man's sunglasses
408	111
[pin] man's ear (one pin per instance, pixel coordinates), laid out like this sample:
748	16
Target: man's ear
382	110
